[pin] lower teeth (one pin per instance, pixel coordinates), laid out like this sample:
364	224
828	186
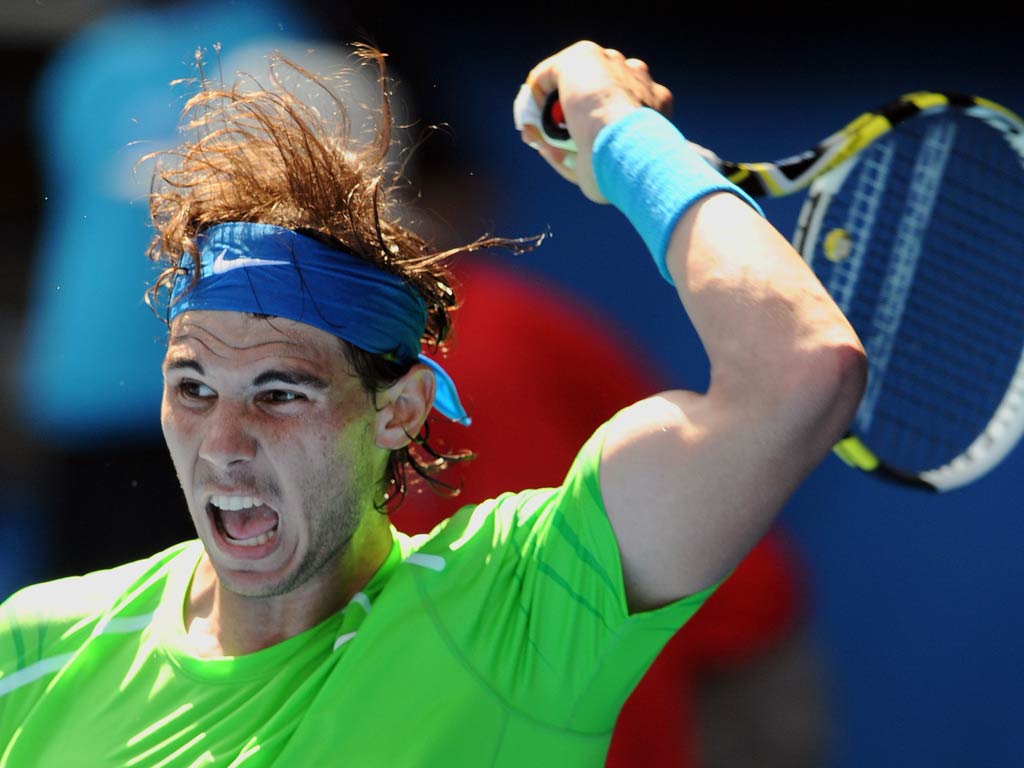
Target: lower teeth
255	541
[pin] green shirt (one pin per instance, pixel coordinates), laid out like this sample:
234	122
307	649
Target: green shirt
502	638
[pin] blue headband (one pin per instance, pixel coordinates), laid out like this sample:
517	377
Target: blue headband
271	270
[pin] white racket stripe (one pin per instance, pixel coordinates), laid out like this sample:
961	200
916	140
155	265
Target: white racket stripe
926	180
860	223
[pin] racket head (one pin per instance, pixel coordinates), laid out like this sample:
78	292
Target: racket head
913	222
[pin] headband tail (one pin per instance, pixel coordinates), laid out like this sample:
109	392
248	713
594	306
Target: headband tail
447	398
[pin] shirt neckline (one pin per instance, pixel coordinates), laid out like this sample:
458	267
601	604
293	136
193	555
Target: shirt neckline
320	640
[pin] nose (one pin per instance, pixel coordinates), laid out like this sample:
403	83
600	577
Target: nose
228	438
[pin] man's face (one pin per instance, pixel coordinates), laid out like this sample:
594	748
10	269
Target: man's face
272	436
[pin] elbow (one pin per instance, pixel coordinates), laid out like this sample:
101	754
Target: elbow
851	365
805	394
829	388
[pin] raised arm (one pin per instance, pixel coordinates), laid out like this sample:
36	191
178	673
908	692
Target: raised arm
692	480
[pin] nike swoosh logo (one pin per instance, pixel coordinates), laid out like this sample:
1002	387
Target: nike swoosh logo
221	264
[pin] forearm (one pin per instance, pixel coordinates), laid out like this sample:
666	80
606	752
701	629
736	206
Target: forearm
768	326
766	322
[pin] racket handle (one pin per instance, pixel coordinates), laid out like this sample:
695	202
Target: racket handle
550	121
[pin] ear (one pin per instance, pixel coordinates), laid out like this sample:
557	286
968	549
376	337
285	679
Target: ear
404	407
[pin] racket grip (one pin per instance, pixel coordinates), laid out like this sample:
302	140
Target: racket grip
549	119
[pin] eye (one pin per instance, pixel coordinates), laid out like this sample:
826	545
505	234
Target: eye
281	396
194	390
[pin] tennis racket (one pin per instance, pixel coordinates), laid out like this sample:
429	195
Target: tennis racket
914	223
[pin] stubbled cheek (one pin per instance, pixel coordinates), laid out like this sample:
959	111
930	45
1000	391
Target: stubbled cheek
354	444
178	432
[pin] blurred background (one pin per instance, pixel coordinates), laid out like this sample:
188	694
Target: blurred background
882	628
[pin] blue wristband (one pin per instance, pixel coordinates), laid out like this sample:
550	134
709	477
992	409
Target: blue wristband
646	169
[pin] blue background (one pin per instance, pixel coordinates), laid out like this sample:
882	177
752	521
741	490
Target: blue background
915	598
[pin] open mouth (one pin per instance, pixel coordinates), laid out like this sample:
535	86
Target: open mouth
243	521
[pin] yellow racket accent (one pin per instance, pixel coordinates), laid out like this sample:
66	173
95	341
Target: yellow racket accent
999	108
861	132
926	99
856	454
837	245
764	171
741	172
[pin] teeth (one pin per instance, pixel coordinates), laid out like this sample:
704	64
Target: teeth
255	541
235	502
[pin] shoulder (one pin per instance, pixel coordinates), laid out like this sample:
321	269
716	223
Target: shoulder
82	601
500	537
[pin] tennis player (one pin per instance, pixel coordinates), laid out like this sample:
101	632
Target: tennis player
304	318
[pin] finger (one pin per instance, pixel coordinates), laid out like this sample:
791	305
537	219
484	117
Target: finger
638	64
542	79
532	136
663	100
556	158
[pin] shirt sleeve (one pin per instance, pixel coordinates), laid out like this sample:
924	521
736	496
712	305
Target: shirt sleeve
536	601
43	625
30	648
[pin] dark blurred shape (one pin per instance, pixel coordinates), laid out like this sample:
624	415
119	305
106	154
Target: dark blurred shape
88	378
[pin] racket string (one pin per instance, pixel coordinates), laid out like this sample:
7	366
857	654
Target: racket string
952	321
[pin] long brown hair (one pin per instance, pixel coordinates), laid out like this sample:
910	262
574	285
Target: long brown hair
265	154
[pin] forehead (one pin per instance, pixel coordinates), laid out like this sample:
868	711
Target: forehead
246	338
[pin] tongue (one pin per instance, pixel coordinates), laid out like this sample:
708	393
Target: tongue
241	524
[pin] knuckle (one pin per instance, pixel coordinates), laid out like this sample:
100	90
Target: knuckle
587	46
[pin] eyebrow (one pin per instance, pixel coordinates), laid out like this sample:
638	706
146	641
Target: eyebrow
273	376
292	378
184	364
